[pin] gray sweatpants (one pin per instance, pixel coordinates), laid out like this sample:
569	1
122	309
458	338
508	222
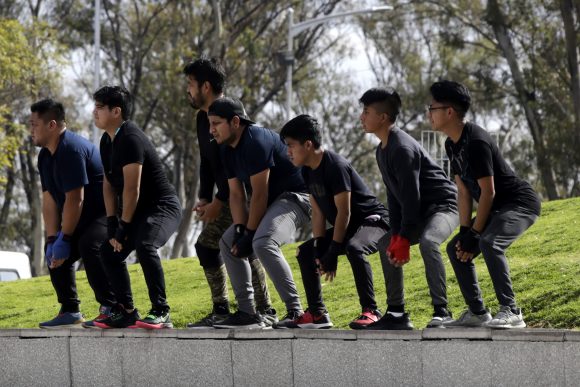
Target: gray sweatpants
278	226
429	234
503	228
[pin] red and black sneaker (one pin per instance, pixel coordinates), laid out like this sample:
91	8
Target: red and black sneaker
310	320
104	312
119	318
368	316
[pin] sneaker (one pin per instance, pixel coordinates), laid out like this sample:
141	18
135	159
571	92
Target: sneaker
241	320
155	319
309	320
208	321
391	323
439	319
119	318
289	319
64	320
506	319
368	316
269	317
104	312
469	319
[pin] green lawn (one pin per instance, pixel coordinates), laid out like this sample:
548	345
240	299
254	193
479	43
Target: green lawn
545	266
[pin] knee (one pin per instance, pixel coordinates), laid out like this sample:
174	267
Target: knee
208	257
354	252
144	250
487	245
451	252
427	246
263	246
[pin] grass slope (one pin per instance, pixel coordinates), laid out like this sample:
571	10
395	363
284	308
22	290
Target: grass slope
545	265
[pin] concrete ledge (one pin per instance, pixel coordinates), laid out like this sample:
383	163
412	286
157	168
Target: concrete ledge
226	357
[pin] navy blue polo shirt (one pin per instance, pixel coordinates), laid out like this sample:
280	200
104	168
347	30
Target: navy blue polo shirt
259	149
75	163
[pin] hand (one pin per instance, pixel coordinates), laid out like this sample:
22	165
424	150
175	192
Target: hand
120	236
394	238
60	250
243	246
49	242
467	245
112	224
210	212
329	261
400	252
198	207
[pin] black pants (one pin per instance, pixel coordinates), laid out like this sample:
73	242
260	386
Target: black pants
85	244
357	247
151	230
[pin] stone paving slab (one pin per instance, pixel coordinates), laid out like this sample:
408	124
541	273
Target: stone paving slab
527	335
457	333
262	363
96	361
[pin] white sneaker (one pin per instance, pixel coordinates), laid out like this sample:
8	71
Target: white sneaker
505	319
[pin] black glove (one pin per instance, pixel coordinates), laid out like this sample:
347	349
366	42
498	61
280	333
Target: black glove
463	229
319	249
239	230
329	260
122	230
244	244
469	241
112	224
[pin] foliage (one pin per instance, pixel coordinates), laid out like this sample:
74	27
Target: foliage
545	267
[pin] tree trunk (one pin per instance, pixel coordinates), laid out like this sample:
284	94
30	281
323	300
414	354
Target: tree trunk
566	7
496	20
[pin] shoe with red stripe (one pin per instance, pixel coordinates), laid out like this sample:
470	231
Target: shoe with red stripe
119	318
104	312
368	316
156	319
310	320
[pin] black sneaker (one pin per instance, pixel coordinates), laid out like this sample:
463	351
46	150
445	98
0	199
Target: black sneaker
119	319
392	323
208	321
288	320
241	320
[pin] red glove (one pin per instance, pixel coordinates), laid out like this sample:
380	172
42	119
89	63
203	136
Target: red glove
394	238
400	250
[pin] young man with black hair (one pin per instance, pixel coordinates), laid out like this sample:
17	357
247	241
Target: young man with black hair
205	83
507	206
256	163
71	176
337	195
143	210
422	209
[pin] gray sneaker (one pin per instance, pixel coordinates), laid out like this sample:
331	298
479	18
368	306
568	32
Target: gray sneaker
269	317
208	321
469	320
439	321
505	319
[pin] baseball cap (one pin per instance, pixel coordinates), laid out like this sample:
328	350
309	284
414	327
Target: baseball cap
228	108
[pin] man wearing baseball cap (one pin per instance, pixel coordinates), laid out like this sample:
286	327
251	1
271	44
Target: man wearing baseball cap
257	166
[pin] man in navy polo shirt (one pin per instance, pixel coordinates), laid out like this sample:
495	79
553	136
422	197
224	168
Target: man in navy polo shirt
71	176
257	164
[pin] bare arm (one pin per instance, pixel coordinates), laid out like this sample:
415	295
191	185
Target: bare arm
73	207
318	220
485	202
109	197
238	201
50	214
131	184
342	202
464	203
259	200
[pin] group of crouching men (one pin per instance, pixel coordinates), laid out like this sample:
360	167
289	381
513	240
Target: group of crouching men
257	188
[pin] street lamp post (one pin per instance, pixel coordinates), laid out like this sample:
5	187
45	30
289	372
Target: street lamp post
97	59
295	29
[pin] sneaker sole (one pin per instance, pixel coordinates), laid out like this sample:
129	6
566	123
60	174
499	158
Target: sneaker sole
315	326
251	326
509	326
104	326
144	325
357	326
73	326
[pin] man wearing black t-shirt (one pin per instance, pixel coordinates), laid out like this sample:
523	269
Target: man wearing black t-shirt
257	164
422	209
71	175
205	83
337	195
507	206
142	209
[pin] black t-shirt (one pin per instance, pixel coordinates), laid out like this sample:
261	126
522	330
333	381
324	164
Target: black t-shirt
75	163
130	146
335	175
259	149
211	170
416	186
476	155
